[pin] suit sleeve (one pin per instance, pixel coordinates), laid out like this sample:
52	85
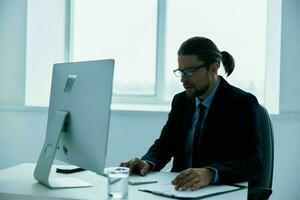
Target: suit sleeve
162	150
248	162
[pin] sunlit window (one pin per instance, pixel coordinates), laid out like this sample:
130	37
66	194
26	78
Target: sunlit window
238	27
123	30
143	37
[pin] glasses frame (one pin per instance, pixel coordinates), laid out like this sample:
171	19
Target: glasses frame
190	71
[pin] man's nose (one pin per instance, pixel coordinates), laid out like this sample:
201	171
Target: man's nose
184	78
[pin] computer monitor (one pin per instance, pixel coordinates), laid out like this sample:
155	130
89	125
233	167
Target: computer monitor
78	120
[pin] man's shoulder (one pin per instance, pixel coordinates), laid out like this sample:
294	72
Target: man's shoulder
238	96
235	93
182	101
180	97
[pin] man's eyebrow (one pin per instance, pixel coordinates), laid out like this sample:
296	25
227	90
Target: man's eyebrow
190	67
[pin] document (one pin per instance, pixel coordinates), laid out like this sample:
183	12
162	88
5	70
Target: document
164	187
169	190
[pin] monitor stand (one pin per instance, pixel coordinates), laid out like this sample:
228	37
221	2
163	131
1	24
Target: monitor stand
43	166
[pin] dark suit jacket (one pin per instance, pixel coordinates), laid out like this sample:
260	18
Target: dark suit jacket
230	141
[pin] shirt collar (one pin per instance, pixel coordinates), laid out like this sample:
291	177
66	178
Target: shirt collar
208	100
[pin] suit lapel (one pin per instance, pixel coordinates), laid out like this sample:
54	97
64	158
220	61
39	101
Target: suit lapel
186	120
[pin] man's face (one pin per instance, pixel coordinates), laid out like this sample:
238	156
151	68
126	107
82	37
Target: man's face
198	84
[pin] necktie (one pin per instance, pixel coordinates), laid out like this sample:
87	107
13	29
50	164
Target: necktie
197	133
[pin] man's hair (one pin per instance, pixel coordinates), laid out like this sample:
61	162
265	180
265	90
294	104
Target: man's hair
208	52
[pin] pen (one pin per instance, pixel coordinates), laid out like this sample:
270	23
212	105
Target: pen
141	182
167	194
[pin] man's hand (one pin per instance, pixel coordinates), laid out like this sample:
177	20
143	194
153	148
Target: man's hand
193	178
137	166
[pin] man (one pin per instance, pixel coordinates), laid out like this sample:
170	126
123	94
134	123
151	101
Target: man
212	128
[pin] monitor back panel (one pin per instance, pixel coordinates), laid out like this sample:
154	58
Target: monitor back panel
84	89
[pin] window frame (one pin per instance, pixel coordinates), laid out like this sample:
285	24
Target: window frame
159	85
160	82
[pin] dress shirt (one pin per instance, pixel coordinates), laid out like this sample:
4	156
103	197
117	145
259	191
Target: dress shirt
206	102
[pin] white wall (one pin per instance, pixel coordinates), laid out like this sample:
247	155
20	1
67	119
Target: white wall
12	51
23	133
22	129
286	179
290	62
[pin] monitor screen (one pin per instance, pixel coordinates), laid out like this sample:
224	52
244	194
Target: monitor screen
78	117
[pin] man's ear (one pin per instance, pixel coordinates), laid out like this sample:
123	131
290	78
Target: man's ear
214	68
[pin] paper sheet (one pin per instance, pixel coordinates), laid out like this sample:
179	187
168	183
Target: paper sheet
165	188
169	190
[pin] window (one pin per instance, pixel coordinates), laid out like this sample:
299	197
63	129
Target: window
45	45
233	26
143	37
123	30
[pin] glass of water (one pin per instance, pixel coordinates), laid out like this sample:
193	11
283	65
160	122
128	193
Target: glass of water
118	182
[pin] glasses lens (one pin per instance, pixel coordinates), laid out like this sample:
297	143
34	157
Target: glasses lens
178	73
189	71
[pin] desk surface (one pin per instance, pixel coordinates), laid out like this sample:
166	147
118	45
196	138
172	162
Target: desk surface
18	183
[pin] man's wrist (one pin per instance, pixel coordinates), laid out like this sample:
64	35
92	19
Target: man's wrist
213	173
151	164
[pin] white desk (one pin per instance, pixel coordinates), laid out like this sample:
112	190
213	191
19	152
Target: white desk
17	183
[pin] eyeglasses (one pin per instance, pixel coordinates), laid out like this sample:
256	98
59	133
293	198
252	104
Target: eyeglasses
190	71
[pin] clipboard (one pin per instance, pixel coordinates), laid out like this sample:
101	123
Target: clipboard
168	190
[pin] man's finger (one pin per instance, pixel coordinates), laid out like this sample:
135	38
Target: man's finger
188	178
180	177
131	164
124	164
184	179
191	183
136	165
199	185
145	168
177	179
134	162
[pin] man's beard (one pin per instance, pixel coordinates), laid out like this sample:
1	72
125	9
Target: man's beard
201	91
198	91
